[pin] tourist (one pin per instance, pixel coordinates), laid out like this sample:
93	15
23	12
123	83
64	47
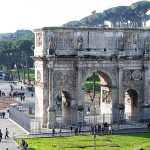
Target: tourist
3	114
23	145
79	129
6	133
148	125
71	128
1	135
60	131
53	131
31	94
99	128
110	129
76	130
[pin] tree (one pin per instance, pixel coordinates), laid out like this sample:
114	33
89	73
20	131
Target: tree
134	15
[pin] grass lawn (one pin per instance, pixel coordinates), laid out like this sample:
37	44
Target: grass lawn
120	142
31	70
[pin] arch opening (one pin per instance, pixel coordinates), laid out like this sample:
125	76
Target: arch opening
63	108
97	96
131	102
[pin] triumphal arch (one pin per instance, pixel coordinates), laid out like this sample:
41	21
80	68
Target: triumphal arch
64	57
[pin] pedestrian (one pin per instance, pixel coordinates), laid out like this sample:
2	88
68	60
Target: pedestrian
31	94
6	133
21	88
3	114
0	93
1	135
60	132
71	128
110	129
23	97
76	130
23	145
53	131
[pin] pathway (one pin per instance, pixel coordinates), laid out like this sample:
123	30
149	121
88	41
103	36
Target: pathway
13	130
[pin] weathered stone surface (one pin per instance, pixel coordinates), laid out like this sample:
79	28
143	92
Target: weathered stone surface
64	57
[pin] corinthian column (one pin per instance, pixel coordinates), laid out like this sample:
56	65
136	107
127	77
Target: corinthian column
51	109
121	100
121	106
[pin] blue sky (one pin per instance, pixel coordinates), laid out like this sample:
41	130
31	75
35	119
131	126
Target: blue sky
31	14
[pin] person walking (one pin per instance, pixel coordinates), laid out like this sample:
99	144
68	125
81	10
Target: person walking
3	114
53	131
1	135
6	133
71	128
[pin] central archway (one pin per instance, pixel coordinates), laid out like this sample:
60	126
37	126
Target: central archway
97	97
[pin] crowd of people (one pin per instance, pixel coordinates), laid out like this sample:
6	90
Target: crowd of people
97	129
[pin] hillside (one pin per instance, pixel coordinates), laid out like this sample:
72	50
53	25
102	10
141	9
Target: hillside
19	34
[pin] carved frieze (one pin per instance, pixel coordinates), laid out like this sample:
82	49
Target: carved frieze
57	42
64	78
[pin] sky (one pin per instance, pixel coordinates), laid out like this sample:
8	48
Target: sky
32	14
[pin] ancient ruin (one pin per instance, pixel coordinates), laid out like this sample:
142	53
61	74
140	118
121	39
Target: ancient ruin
64	57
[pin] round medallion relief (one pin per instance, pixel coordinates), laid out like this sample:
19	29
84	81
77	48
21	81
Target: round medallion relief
127	75
136	74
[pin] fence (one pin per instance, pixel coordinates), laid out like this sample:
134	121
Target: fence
24	116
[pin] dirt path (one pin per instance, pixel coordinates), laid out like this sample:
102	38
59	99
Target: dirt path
5	102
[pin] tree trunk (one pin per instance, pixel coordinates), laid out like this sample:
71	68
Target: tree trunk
18	74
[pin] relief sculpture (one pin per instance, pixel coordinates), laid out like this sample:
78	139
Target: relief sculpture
136	75
38	39
106	97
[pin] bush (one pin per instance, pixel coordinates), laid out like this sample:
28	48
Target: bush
89	87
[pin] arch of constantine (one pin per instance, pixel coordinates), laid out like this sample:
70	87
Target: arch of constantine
65	57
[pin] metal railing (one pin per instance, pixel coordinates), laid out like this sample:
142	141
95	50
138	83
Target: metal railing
22	115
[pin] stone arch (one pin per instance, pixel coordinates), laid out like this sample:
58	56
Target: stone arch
66	107
106	98
131	101
103	72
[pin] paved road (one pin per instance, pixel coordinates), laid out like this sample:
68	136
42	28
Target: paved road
5	86
13	128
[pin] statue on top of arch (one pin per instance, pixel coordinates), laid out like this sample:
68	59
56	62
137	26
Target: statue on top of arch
122	42
80	42
51	45
147	44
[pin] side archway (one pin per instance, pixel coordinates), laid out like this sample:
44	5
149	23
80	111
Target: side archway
131	102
